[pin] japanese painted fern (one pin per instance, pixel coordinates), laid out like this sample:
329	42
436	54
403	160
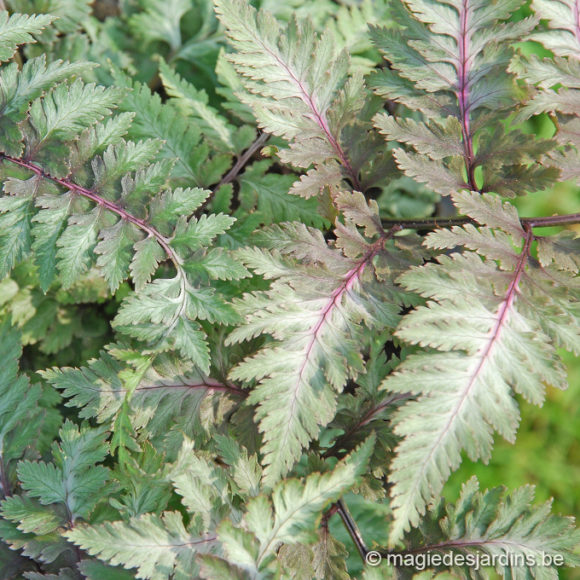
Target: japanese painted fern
242	299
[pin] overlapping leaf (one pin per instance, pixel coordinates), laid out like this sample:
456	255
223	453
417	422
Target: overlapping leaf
160	547
18	29
557	79
450	64
169	393
289	517
491	326
317	310
295	84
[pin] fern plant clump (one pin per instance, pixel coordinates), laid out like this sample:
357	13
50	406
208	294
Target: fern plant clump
263	273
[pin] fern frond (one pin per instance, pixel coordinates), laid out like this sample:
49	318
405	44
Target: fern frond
160	20
560	251
73	479
16	29
182	136
367	411
168	393
562	70
290	515
293	80
46	548
351	29
63	112
204	487
499	529
557	80
70	234
160	547
96	570
269	194
31	516
493	321
165	312
68	15
562	36
450	65
317	311
19	87
19	404
194	102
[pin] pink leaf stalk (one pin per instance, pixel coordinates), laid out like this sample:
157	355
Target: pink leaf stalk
462	93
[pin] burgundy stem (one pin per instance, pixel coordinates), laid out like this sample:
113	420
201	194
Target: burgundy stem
434	223
319	118
462	94
352	529
209	384
413	224
235	170
101	201
4	478
365	420
449	544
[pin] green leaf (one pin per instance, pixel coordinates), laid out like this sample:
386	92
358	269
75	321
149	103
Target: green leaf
50	222
269	193
214	568
148	255
175	203
30	516
562	251
45	549
329	557
169	392
432	139
181	136
199	233
19	400
194	102
18	29
15	226
70	14
159	20
76	245
160	547
73	479
246	469
218	264
161	315
95	570
69	108
503	530
296	507
202	485
115	252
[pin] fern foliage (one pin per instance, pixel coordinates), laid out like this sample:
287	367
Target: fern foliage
556	81
449	64
263	271
317	330
498	529
465	384
299	88
106	180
